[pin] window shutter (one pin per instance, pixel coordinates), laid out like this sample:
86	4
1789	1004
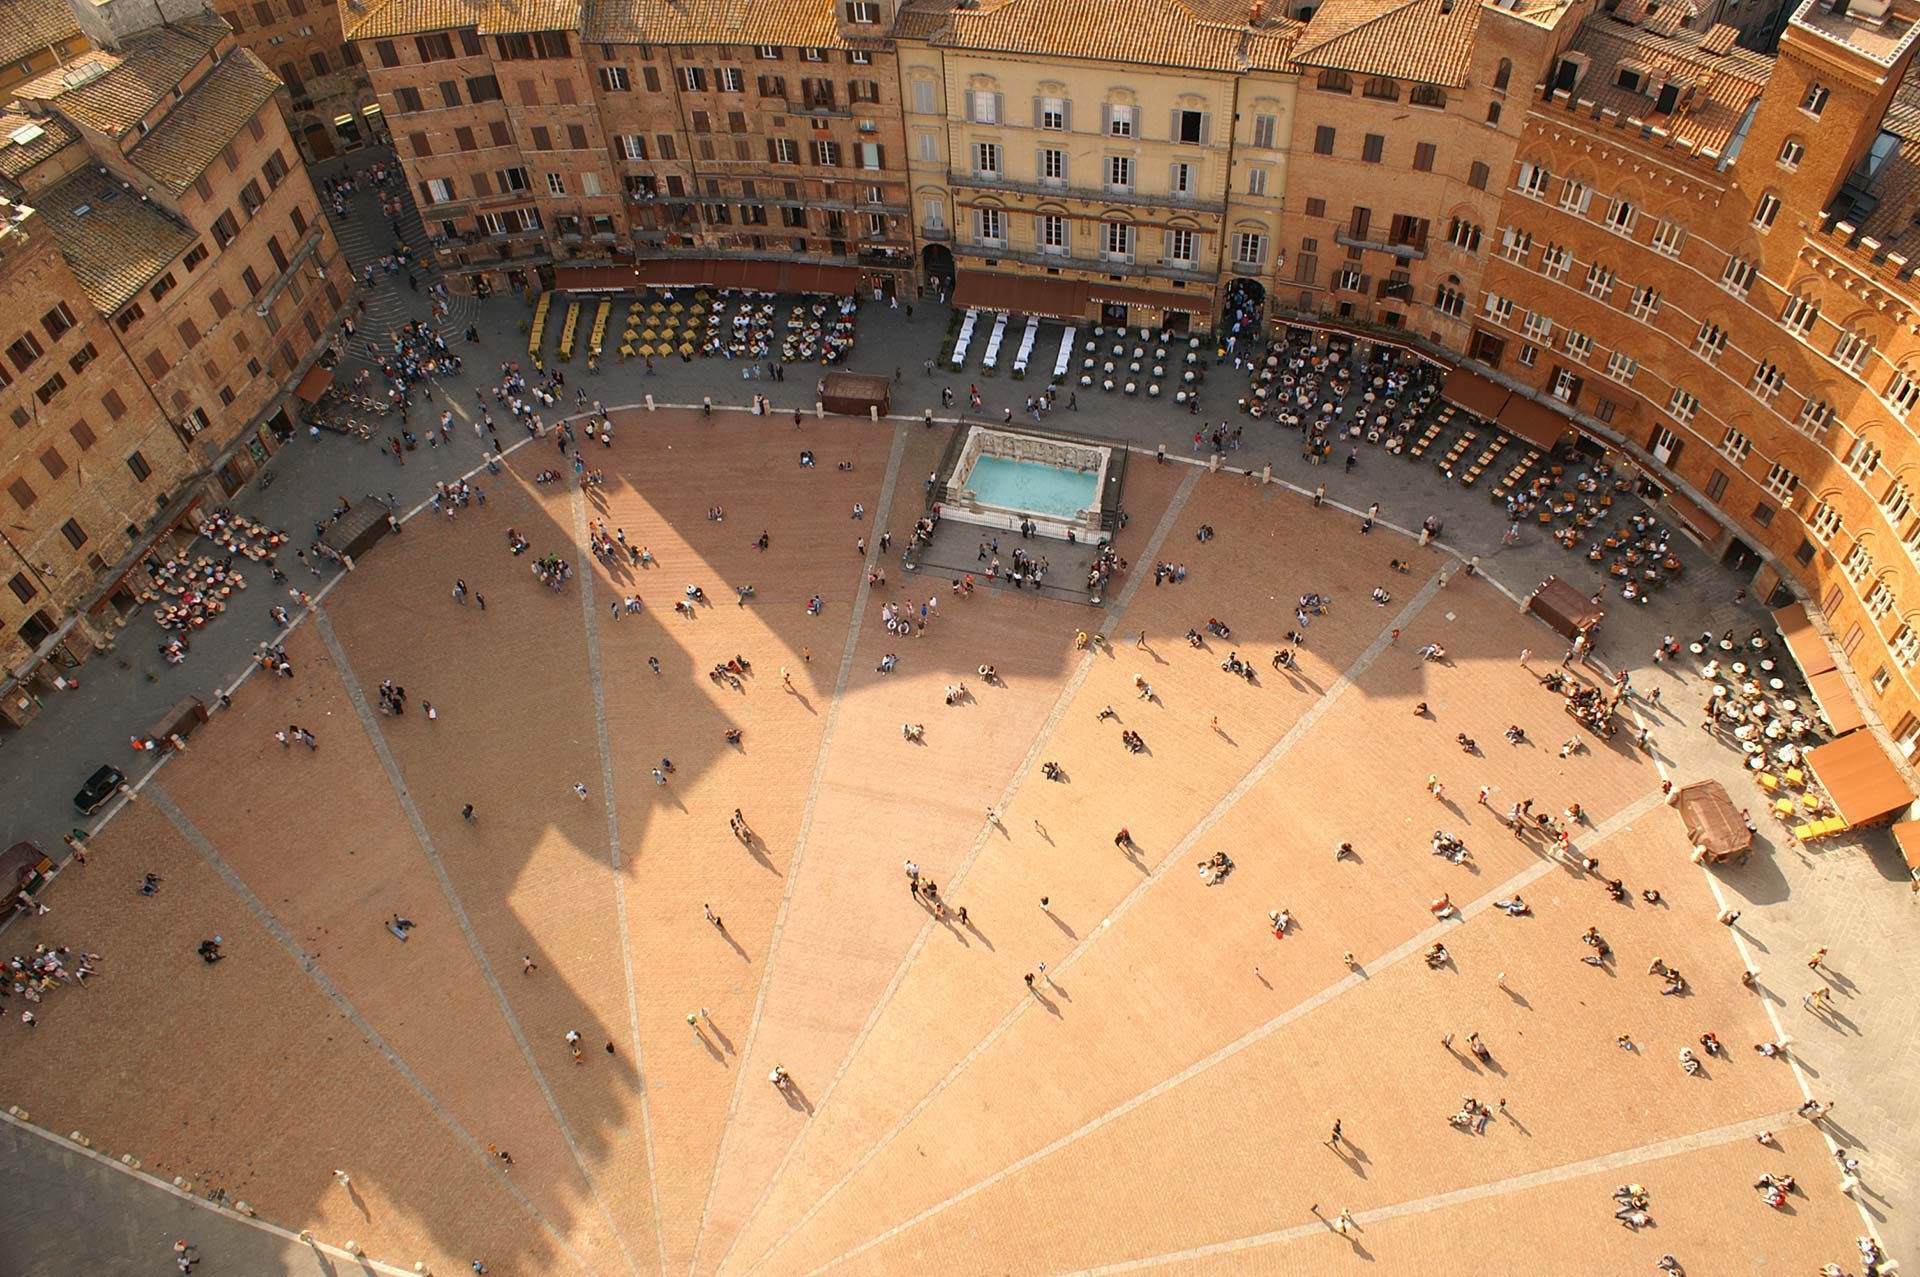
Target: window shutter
773	153
1206	128
1066	166
1000	108
1173	129
1173	180
1106	118
1037	107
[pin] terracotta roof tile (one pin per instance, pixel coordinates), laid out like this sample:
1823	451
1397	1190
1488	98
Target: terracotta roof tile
16	158
198	126
1719	38
810	23
1721	84
1272	49
1898	186
115	241
112	91
1429	41
489	17
28	26
1164	32
920	21
1671	16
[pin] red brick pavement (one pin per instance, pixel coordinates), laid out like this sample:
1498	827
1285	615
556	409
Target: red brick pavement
1169	1100
322	840
242	1075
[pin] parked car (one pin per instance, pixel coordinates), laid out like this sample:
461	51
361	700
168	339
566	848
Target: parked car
100	786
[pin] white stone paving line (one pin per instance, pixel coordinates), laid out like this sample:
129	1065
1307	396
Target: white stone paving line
1479	1192
883	505
1149	552
589	611
1407	948
343	665
1217	813
146	1180
1766	1004
163	803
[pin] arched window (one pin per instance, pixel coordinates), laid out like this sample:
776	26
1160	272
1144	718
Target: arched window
1427	95
1503	75
1334	82
1493	113
1379	86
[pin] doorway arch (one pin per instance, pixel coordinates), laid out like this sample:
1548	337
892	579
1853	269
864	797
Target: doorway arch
936	264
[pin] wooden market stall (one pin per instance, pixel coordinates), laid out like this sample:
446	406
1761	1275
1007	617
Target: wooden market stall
1714	824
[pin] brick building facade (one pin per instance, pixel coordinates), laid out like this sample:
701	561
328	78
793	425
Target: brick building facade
1079	163
208	281
681	136
1700	254
330	105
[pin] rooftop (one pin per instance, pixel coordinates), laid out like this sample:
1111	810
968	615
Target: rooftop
26	141
186	141
111	92
1429	41
489	17
27	26
810	23
114	241
1895	191
1712	90
1882	41
1202	35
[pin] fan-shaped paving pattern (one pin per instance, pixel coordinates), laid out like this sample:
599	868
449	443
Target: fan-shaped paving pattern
1163	1095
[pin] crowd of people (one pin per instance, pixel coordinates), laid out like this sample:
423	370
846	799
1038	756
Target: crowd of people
30	977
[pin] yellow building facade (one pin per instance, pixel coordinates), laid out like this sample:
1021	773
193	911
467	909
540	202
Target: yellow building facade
1124	174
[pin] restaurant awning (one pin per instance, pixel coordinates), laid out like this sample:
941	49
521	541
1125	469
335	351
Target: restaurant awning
674	272
1698	521
1475	393
1836	701
1123	296
761	277
716	272
806	277
1376	339
596	279
1059	298
1538	424
1796	627
1860	779
1906	835
314	384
